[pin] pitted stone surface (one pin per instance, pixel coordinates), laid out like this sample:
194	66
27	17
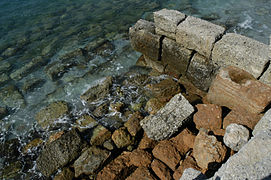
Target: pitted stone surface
168	119
243	52
198	34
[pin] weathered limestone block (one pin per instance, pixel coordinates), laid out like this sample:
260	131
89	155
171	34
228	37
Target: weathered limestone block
264	124
266	77
240	51
200	72
237	89
175	56
144	40
59	153
166	22
168	119
253	161
199	35
154	64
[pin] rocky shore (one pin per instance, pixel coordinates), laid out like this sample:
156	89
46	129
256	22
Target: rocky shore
200	111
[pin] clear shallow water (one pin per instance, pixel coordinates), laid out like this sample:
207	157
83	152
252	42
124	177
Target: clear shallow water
54	28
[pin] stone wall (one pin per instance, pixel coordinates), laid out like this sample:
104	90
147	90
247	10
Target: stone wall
182	45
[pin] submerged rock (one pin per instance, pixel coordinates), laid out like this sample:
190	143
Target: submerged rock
11	97
3	112
30	84
3	78
5	66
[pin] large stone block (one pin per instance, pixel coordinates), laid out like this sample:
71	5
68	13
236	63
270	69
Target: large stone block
236	88
166	22
144	40
175	56
201	72
168	119
198	34
240	51
264	124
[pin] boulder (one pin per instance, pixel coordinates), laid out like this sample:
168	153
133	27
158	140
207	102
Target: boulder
141	173
236	136
161	170
133	123
33	65
167	120
147	143
208	151
139	158
11	97
166	22
49	116
191	173
65	174
99	135
188	162
264	124
166	152
90	161
237	89
208	116
100	90
199	35
144	40
175	56
253	160
201	72
242	52
85	122
122	138
59	153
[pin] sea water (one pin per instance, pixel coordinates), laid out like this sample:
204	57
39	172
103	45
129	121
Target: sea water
54	28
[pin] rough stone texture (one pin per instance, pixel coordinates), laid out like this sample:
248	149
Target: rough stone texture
100	90
188	162
154	64
133	123
241	117
55	136
264	124
28	68
236	136
253	161
101	110
12	171
198	34
31	145
59	153
200	72
208	151
99	135
191	173
266	77
154	105
90	161
141	173
237	89
139	157
65	174
147	143
161	170
166	152
48	116
166	22
85	122
184	141
208	116
109	145
11	97
122	138
175	56
243	52
116	169
168	119
144	40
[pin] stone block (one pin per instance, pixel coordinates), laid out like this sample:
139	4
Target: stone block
154	64
168	119
141	173
237	89
175	56
264	124
122	138
198	35
139	158
166	22
161	170
240	51
191	173
201	72
99	135
144	40
132	123
188	162
147	143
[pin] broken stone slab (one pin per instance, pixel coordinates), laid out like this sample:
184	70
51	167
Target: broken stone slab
191	173
237	89
199	35
166	22
201	72
34	64
253	160
240	51
11	97
59	153
175	56
100	90
167	120
264	124
144	40
90	161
